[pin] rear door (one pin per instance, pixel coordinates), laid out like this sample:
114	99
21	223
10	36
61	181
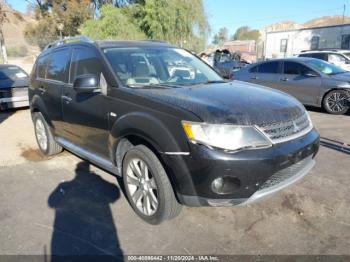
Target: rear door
85	115
268	74
298	81
52	76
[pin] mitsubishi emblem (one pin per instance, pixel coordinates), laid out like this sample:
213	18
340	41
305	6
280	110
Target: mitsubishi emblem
296	128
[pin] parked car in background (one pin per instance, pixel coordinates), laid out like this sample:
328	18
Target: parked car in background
226	62
173	138
338	57
313	81
13	87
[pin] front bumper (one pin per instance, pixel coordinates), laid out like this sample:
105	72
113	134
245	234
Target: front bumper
14	102
261	172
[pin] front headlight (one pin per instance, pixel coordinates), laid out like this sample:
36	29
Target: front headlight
227	137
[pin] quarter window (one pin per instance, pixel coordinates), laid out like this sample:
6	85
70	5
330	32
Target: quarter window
292	68
57	65
85	61
41	67
322	56
269	68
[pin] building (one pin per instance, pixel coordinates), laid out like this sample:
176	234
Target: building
286	43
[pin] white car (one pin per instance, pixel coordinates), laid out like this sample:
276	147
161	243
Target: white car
338	57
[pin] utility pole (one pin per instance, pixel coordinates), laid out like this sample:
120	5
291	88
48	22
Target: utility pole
3	18
342	27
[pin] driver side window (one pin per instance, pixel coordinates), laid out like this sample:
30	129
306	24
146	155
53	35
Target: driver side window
293	68
84	61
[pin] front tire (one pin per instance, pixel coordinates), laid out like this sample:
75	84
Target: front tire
44	137
147	186
335	102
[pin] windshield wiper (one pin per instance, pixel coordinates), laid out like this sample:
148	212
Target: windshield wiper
163	86
213	82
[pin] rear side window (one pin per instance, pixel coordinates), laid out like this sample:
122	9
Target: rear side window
84	61
269	67
304	55
293	68
41	67
57	66
322	56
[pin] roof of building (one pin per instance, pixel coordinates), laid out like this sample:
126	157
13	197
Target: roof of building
306	28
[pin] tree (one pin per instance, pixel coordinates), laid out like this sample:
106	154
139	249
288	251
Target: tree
221	37
180	22
57	18
3	19
113	24
246	33
171	20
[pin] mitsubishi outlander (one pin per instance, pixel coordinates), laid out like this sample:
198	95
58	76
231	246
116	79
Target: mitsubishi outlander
168	124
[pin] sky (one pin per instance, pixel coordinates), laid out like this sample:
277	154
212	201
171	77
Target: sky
260	13
256	13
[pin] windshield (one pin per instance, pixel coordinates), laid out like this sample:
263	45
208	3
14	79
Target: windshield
325	67
12	72
167	67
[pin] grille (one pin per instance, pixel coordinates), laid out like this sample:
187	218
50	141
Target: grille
286	173
288	130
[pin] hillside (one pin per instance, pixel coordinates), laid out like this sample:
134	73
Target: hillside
327	20
320	21
13	32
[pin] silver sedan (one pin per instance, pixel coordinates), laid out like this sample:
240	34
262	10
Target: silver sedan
314	82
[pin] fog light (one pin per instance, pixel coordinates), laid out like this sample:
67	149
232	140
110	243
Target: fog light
225	185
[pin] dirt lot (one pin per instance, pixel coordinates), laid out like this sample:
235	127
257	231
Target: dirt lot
64	206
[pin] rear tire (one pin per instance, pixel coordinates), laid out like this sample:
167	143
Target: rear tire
335	102
44	137
147	186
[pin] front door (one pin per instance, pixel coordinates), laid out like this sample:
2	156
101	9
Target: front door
85	115
301	82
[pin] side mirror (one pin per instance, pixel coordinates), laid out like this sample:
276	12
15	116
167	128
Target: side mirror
310	74
86	84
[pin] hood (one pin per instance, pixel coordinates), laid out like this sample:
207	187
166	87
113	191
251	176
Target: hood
8	83
235	103
345	77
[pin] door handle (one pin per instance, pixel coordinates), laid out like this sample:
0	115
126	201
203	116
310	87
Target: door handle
285	79
67	99
41	90
254	77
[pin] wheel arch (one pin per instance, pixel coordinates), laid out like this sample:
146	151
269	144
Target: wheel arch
141	128
38	106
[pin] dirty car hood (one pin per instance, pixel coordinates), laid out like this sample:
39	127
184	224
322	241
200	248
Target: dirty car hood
235	102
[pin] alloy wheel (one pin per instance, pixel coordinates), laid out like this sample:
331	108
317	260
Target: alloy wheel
142	187
41	135
336	102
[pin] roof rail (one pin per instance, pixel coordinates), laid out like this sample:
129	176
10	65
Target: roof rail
67	40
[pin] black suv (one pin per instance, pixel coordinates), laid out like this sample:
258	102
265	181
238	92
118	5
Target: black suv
168	124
